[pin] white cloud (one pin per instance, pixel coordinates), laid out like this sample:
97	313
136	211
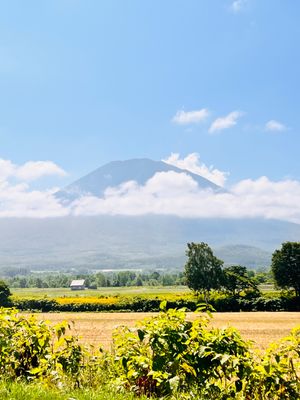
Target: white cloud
33	170
7	169
190	117
20	201
29	171
237	5
169	193
226	122
275	126
192	163
166	193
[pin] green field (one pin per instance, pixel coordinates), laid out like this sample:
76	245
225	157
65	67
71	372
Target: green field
53	293
149	291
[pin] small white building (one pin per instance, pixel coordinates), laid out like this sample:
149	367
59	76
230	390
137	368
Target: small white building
78	284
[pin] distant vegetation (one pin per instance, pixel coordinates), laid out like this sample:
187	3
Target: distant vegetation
95	280
229	288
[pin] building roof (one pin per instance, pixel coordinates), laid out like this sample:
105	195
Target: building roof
78	282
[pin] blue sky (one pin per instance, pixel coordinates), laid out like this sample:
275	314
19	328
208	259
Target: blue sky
85	82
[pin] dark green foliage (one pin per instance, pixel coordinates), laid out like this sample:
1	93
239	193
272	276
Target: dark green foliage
4	294
236	280
286	266
203	270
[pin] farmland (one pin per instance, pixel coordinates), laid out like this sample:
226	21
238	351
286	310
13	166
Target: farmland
54	293
260	327
96	328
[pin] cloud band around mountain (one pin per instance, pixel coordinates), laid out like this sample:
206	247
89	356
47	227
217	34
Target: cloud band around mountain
165	193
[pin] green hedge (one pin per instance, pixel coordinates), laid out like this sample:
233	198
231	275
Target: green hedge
219	303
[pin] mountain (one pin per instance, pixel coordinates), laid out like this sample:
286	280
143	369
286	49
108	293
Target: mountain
251	256
112	242
118	172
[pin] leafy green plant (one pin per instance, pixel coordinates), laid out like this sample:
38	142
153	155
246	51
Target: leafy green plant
168	353
32	349
277	375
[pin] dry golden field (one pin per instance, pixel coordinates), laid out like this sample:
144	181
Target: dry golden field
260	327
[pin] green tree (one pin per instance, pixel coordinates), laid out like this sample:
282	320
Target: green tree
4	294
203	271
286	266
236	279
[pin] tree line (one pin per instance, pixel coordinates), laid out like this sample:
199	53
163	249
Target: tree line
128	278
95	280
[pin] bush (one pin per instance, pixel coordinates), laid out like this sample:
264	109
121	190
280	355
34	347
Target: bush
167	353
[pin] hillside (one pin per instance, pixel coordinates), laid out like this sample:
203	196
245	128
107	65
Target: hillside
135	242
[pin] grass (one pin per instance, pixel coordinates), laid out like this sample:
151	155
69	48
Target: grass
262	328
25	391
147	291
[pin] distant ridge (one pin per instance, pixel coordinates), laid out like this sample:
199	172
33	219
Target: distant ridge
115	173
143	242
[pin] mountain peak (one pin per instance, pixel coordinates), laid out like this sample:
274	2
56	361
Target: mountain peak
115	173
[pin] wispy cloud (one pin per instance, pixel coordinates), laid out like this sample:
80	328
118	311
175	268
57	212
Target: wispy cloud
275	126
190	117
226	122
238	5
192	163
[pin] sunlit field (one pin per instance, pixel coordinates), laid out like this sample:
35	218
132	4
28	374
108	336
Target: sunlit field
260	327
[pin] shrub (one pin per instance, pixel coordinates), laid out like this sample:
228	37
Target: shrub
167	353
32	349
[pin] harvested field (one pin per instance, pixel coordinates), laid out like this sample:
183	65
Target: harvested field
260	327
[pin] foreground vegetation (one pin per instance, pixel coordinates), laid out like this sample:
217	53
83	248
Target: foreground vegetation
165	355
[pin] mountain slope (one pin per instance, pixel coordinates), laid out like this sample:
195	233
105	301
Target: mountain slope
118	172
135	242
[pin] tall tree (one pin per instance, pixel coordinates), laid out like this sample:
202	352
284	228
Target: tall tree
286	266
236	279
203	271
4	294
